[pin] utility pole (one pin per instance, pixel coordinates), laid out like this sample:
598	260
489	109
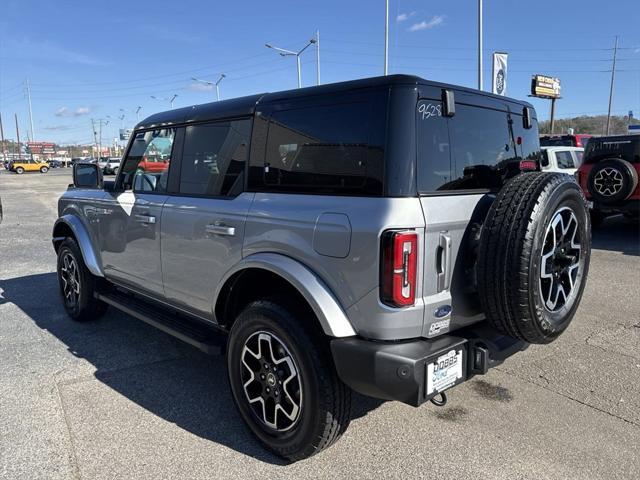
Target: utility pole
95	138
4	155
18	137
386	38
138	113
613	76
33	138
318	56
479	44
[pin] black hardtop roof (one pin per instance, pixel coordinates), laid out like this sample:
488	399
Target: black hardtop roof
616	138
242	106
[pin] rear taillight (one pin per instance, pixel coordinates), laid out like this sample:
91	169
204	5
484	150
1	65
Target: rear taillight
528	165
399	267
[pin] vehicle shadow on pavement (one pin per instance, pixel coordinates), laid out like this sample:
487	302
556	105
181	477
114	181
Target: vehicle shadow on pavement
618	234
163	375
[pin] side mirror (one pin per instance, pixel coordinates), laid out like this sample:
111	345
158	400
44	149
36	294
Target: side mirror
449	103
526	118
87	175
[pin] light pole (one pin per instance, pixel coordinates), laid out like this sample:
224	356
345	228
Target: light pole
215	84
386	38
479	44
613	76
286	53
318	57
166	99
138	113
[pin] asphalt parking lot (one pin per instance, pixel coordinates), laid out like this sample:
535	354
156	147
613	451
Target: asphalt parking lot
116	398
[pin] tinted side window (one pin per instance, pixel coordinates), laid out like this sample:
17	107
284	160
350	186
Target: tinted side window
565	160
434	156
320	149
483	150
146	167
213	158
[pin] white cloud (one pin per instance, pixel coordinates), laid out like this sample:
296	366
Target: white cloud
78	112
404	16
199	87
435	21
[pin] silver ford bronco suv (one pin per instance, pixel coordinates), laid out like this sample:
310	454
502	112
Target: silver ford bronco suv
392	236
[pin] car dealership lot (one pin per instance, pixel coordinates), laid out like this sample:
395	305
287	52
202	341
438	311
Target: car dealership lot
118	399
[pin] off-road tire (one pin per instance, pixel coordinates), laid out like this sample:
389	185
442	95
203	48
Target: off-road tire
325	400
510	257
87	306
625	174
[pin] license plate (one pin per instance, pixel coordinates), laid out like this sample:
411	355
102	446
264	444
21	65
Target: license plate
444	372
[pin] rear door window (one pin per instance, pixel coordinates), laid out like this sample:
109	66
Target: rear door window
322	149
213	158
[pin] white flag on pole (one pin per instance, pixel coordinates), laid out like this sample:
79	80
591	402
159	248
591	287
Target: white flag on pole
499	73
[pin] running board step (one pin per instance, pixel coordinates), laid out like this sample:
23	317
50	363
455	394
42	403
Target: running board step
193	332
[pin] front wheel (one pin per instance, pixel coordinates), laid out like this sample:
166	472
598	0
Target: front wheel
77	285
284	382
44	169
19	170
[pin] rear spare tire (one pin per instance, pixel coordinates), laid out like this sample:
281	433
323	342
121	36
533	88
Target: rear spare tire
534	256
612	180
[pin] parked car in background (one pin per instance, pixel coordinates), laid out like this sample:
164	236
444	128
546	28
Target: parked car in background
112	166
609	176
382	235
102	163
574	140
28	165
561	159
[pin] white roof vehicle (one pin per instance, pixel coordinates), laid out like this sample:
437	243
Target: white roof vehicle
561	159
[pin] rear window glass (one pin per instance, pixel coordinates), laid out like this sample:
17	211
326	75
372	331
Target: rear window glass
561	141
321	149
477	148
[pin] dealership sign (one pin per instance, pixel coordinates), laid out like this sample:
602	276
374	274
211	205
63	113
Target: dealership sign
125	133
545	87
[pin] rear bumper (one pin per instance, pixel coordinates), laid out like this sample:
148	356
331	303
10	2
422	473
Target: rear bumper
398	371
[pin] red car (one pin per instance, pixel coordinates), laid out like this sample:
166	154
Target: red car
609	176
153	164
577	140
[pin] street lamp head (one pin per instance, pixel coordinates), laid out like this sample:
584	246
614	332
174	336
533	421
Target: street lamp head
268	45
313	40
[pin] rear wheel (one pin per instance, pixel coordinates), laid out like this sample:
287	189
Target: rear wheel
77	285
534	256
284	382
44	169
19	170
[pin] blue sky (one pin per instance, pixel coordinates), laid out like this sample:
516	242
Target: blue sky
90	59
